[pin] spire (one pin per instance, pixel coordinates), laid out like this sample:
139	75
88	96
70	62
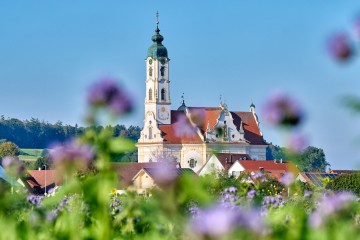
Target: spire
157	21
157	49
183	106
221	104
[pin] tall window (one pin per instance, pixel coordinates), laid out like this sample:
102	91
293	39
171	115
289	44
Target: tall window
150	71
192	163
163	94
162	71
150	94
150	133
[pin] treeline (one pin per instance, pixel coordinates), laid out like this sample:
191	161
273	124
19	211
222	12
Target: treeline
34	133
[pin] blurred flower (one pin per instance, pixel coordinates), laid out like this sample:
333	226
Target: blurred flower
35	199
297	143
251	194
107	93
276	201
197	116
287	179
357	25
329	205
259	175
339	47
164	174
307	194
218	221
71	154
13	166
183	127
281	109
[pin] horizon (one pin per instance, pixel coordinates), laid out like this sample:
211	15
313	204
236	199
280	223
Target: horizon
53	51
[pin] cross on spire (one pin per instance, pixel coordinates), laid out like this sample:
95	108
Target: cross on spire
182	99
157	17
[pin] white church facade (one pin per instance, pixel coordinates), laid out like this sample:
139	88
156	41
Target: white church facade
190	135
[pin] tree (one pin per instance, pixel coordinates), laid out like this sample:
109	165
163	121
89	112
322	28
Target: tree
275	152
43	160
9	149
313	159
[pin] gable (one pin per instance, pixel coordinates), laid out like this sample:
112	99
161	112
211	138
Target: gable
213	164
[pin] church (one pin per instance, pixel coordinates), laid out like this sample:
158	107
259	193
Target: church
190	135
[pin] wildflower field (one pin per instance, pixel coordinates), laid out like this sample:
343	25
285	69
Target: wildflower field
214	206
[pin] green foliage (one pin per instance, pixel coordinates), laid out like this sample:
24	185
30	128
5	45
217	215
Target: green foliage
275	152
34	133
313	159
42	162
346	182
271	187
9	149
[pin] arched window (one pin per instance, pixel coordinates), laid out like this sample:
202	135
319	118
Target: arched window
162	71
163	94
150	133
150	94
150	71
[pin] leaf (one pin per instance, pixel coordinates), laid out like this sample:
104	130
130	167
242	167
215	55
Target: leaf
121	145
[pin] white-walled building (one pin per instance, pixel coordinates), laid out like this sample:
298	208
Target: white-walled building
189	135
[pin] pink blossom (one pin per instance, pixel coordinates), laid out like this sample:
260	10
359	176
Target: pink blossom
339	47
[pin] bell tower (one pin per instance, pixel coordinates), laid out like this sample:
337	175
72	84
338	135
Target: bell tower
157	100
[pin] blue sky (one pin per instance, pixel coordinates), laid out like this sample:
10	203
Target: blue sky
51	51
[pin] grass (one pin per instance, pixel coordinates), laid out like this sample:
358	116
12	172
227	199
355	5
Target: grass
30	155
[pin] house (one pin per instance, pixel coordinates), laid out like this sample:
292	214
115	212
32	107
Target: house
236	164
148	178
41	181
190	134
222	161
126	171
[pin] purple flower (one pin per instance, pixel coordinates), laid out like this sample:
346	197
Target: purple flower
307	194
164	174
35	199
281	109
13	166
260	176
197	116
297	143
339	47
183	127
276	201
287	179
251	194
357	25
107	93
328	205
218	221
71	154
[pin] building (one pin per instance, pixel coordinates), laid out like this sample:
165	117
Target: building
189	135
237	164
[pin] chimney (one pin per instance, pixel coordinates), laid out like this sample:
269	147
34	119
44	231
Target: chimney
281	160
230	158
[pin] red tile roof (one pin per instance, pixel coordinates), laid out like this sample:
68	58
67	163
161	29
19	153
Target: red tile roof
210	115
169	130
272	168
227	159
36	178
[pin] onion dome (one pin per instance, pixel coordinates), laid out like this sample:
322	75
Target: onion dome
157	50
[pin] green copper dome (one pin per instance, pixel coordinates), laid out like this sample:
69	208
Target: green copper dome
157	50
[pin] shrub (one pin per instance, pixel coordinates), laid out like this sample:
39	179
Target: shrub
346	182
